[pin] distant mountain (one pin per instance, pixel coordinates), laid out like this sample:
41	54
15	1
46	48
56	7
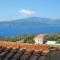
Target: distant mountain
34	21
29	25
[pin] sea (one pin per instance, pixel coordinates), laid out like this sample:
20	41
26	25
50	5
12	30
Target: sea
11	31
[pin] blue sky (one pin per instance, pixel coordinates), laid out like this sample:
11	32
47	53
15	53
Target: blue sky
16	9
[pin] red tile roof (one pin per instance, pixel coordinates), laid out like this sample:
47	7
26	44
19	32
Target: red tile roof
23	52
40	36
27	46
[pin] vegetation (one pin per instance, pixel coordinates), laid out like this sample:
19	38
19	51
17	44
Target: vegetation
53	36
26	38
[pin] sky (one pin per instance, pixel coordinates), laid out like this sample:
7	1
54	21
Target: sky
17	9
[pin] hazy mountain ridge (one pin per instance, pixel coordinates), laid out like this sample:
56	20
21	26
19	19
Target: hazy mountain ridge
37	21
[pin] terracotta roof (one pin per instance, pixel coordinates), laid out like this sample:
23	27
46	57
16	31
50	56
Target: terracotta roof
27	46
21	53
40	36
17	54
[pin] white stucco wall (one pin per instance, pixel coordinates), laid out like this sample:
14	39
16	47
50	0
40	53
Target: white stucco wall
39	40
51	42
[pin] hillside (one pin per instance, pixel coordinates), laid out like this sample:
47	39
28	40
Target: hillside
35	21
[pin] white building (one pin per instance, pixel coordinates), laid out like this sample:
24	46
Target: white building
39	39
51	42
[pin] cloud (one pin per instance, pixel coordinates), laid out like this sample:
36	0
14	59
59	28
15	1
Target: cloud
25	12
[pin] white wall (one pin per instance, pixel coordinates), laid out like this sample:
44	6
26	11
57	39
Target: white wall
51	42
40	40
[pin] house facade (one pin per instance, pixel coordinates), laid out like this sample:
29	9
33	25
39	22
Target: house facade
39	39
